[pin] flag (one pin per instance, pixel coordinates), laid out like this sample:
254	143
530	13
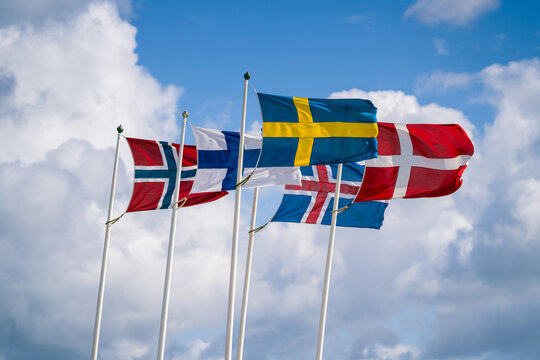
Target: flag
155	175
416	160
312	202
218	162
301	131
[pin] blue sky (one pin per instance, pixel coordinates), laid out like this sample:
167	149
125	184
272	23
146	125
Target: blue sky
446	278
313	48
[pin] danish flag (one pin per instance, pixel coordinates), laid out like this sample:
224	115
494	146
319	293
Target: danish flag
416	160
155	175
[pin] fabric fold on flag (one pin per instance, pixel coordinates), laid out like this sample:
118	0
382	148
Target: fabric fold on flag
312	202
155	176
416	160
218	162
305	131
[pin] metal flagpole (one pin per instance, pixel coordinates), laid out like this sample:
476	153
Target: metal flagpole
108	224
167	287
240	351
234	248
324	305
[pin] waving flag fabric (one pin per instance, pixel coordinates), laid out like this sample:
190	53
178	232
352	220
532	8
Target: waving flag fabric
155	175
416	160
304	131
313	201
218	162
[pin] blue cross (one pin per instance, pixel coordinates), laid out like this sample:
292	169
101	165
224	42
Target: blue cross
227	159
164	174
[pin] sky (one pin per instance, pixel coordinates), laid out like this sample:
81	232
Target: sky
445	278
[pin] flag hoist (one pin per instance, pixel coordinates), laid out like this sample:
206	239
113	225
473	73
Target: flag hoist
329	256
167	287
108	224
234	247
247	277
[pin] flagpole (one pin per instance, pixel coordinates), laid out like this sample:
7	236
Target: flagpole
167	287
108	224
234	247
243	315
329	255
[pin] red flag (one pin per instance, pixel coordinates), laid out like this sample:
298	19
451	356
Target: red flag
155	175
416	160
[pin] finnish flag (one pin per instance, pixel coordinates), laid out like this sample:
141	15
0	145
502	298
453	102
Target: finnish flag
217	163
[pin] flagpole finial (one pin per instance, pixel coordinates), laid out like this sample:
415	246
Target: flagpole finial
247	76
120	129
185	114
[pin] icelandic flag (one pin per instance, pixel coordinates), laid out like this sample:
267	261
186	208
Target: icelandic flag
416	160
312	202
218	162
155	175
304	131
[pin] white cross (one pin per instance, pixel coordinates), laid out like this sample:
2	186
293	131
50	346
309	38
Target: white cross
406	160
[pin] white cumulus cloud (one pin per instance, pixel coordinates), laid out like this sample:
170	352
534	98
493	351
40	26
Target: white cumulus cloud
454	12
38	12
77	80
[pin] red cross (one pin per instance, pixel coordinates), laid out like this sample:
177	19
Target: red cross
323	188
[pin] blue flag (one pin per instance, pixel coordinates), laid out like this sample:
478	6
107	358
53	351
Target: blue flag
302	131
313	201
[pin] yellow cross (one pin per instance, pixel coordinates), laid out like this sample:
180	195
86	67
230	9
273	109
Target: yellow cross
306	130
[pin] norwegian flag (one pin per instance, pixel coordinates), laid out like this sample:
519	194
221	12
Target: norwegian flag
312	202
416	160
155	175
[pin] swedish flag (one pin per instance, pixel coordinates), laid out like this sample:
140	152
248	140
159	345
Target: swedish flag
304	131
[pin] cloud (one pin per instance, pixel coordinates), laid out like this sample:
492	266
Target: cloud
442	81
78	79
7	85
396	106
38	12
367	19
441	46
194	350
453	12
